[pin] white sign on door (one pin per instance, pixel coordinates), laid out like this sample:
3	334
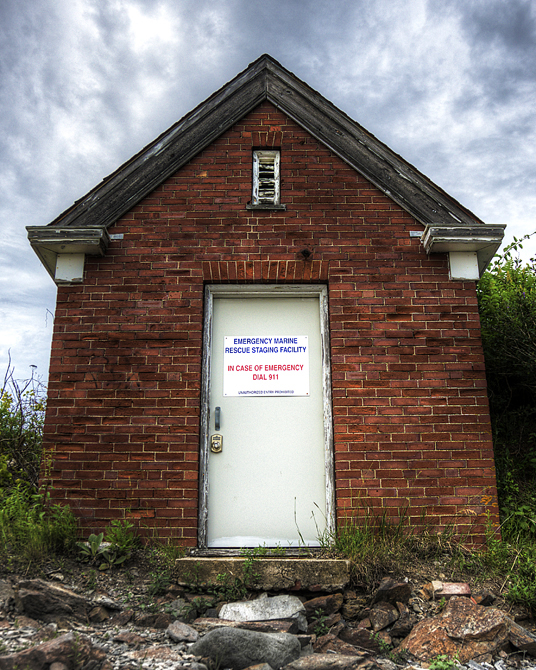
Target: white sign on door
264	366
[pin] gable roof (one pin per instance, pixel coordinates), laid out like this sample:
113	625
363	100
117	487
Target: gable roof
265	79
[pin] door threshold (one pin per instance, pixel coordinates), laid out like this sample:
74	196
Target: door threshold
259	552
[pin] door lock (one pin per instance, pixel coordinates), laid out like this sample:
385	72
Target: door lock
216	443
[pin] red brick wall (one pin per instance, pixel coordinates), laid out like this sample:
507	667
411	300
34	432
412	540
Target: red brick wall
410	409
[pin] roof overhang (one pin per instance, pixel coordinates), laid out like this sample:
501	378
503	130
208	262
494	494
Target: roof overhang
485	240
49	242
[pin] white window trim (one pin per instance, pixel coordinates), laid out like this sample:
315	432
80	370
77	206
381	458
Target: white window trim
266	193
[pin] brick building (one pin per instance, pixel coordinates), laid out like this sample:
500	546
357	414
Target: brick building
267	322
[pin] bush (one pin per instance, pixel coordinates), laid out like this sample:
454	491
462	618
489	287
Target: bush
22	413
507	305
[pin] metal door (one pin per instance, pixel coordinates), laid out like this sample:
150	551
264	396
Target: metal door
266	467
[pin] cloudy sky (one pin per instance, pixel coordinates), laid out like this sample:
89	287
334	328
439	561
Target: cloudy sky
84	84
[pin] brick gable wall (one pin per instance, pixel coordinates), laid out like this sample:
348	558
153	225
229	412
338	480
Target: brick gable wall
411	419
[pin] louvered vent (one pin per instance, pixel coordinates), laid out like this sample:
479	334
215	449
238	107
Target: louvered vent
266	177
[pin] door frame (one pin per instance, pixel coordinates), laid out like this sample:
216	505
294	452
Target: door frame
213	291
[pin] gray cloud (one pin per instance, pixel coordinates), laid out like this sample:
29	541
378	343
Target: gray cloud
86	84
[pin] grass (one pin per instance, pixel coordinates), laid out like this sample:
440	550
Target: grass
378	547
33	529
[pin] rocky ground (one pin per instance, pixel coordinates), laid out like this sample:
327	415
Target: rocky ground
71	616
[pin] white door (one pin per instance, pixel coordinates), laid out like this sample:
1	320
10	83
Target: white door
267	485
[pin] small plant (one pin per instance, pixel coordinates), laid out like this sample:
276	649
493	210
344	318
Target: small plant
160	581
320	626
443	662
92	549
123	537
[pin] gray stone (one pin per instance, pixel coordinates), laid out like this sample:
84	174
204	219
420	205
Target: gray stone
181	632
236	648
266	609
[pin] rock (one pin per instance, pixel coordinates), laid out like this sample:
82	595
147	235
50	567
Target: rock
98	614
451	589
153	620
360	637
208	623
428	590
263	609
158	652
324	624
332	662
6	593
324	605
260	666
49	602
236	648
436	590
520	638
464	630
131	639
392	592
484	597
382	615
104	601
70	650
181	632
266	609
331	643
405	622
466	621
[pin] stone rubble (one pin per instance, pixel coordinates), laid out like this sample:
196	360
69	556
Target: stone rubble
45	626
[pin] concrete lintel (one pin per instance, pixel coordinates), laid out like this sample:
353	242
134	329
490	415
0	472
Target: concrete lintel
275	574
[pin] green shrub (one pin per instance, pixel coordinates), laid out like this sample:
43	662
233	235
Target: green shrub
507	306
22	412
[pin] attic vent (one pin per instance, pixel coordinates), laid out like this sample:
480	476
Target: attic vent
266	177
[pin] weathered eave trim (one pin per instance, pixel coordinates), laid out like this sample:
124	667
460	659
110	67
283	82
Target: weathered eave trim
485	240
48	242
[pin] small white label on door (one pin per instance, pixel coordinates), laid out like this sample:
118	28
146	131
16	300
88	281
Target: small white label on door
266	366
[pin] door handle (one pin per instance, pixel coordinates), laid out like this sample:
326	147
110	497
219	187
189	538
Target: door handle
217	416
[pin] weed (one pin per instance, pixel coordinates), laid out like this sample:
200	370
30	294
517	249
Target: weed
443	662
320	626
122	535
32	528
386	649
160	581
90	550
